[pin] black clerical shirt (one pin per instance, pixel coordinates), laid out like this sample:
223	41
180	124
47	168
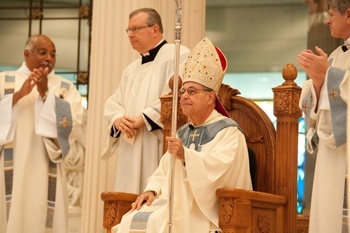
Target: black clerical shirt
344	48
152	53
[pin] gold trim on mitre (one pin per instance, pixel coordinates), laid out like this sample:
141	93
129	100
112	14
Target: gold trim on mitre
206	65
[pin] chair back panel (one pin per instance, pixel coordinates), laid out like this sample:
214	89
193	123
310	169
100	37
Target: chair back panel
259	132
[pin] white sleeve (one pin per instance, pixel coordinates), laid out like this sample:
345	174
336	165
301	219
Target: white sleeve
8	118
324	98
45	117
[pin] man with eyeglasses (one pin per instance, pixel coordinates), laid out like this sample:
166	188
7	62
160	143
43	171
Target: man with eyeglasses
40	114
133	111
210	152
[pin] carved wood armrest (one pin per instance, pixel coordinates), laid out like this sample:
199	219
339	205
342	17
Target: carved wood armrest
251	195
246	211
116	204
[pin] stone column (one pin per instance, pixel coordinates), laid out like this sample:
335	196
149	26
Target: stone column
110	54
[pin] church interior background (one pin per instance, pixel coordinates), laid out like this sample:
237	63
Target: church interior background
258	37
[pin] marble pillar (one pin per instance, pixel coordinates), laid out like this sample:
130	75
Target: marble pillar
110	54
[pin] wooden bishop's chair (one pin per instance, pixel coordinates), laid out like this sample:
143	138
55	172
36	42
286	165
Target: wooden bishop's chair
271	206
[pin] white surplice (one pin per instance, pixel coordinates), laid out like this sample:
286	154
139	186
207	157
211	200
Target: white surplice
326	211
222	162
30	128
138	92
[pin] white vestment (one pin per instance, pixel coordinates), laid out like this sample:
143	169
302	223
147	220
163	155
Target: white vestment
29	132
220	163
326	211
345	87
138	93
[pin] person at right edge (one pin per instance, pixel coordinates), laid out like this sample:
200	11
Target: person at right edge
325	110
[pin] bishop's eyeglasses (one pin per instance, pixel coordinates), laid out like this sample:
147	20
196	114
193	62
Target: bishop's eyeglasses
136	29
192	90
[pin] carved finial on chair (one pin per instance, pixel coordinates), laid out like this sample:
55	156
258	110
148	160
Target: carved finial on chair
171	83
289	74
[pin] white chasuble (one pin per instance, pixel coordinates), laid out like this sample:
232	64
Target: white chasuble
34	138
345	90
326	131
219	161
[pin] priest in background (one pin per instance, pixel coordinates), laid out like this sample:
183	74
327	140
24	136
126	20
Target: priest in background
210	152
323	101
133	111
40	115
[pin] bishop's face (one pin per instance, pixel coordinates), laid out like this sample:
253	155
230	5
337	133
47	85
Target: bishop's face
197	102
141	35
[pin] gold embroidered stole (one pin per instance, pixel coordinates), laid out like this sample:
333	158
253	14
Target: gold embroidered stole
51	198
7	150
140	219
7	153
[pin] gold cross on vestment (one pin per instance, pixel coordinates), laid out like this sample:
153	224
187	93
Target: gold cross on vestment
334	94
195	134
64	122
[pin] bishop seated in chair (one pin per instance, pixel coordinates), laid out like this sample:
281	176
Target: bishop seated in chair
209	152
